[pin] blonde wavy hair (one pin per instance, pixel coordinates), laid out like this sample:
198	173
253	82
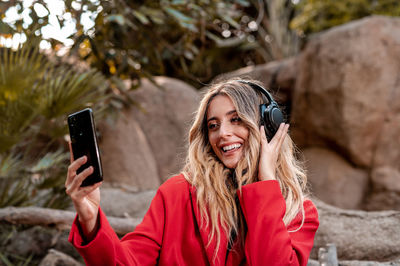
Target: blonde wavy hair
215	191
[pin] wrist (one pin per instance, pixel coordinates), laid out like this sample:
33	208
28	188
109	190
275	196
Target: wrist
266	176
89	227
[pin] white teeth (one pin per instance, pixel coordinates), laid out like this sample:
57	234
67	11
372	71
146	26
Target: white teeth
231	147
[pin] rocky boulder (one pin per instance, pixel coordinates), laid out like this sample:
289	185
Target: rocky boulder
57	258
347	97
146	145
119	203
334	180
347	86
358	235
278	77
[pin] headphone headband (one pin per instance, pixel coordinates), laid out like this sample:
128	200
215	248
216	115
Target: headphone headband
259	88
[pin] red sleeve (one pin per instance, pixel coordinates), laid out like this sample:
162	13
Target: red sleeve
268	240
140	247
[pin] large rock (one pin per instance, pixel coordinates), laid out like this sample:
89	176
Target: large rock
57	258
34	241
119	203
385	193
347	90
357	263
334	180
166	119
347	98
368	263
279	77
127	158
146	145
358	235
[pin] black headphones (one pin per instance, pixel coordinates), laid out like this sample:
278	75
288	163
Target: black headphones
271	115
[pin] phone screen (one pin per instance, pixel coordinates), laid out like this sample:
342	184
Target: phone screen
84	142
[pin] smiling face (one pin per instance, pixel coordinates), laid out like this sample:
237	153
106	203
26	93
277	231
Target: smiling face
226	132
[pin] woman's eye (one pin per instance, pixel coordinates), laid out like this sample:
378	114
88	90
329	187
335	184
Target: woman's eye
236	119
212	126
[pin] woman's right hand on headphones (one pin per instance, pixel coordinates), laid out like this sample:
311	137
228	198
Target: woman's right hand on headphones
269	152
86	200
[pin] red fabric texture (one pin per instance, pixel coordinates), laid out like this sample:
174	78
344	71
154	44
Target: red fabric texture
170	235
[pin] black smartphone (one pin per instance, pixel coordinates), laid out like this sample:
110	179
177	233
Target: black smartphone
82	132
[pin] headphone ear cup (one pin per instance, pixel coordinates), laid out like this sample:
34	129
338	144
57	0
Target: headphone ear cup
265	120
272	117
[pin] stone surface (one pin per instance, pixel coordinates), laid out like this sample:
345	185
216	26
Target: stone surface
385	173
127	159
166	119
334	180
347	99
24	241
119	203
368	263
34	241
358	235
57	258
278	77
347	90
146	145
312	262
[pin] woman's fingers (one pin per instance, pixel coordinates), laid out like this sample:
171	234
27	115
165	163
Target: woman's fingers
71	155
77	180
277	136
270	152
263	135
74	166
277	140
82	176
283	136
83	191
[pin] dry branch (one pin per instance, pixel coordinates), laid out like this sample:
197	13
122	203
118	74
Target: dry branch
58	218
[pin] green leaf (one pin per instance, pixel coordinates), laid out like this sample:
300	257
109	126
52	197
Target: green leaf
32	122
49	160
156	15
119	19
5	260
243	3
141	17
179	2
178	15
232	22
188	26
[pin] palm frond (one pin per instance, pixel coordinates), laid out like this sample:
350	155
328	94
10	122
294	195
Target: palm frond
35	97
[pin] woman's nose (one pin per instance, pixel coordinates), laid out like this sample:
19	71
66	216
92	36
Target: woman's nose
225	130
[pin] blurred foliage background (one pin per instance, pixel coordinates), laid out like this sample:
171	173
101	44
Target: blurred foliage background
43	79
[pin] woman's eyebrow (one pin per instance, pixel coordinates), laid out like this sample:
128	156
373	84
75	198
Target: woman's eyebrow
231	112
228	113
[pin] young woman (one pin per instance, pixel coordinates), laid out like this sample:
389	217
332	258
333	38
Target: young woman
239	200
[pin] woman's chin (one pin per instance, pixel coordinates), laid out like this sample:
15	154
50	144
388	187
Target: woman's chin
230	164
231	160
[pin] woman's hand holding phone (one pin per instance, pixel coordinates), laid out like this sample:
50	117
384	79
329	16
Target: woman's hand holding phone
86	200
269	153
